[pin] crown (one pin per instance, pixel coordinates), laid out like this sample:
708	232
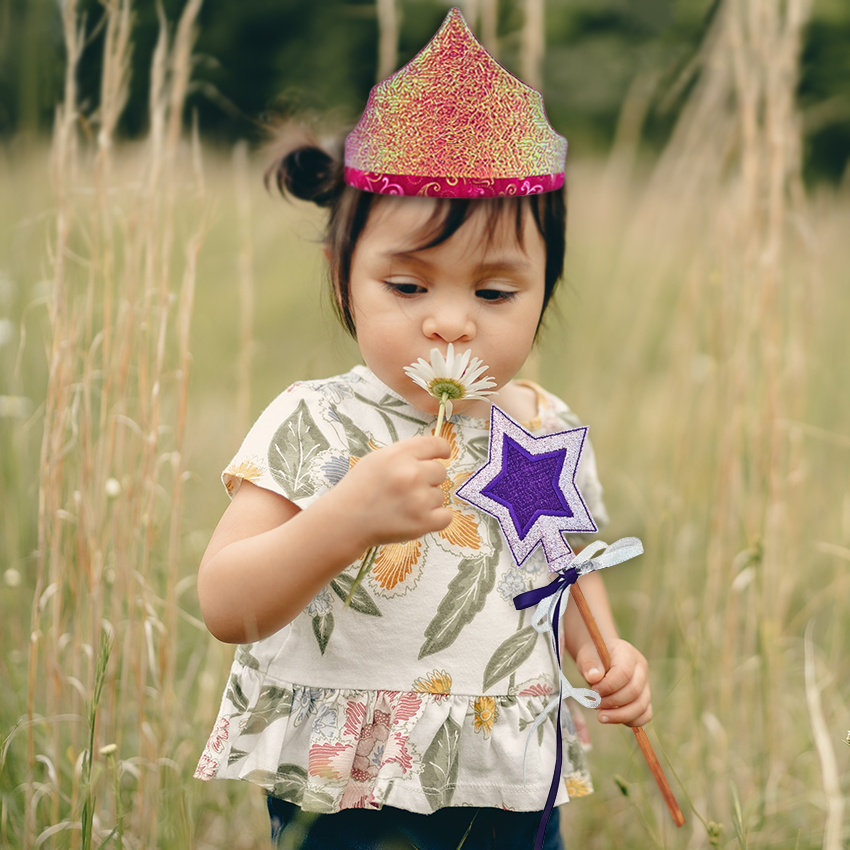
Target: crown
454	123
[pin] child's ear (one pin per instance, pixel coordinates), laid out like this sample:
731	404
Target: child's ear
327	252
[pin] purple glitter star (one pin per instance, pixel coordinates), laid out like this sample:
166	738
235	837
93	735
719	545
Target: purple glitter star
539	494
528	485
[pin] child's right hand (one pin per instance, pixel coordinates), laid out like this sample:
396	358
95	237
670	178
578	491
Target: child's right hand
394	494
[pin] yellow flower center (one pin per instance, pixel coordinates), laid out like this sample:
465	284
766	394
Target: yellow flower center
440	387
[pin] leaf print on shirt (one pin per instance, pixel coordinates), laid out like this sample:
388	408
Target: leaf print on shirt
323	626
287	782
467	593
293	451
510	655
358	440
273	703
479	447
360	601
440	765
236	695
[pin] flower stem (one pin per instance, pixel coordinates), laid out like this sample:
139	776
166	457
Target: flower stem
440	414
368	560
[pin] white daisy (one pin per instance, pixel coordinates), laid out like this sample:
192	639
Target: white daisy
451	378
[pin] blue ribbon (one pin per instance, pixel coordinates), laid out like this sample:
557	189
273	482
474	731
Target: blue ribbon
546	619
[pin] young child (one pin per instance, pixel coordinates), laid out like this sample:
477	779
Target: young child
403	719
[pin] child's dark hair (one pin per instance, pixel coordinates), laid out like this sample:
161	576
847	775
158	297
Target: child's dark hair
312	174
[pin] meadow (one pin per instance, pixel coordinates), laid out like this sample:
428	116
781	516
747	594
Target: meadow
153	299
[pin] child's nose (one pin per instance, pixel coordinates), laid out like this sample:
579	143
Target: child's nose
450	323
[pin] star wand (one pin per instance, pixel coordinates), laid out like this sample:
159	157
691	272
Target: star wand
528	485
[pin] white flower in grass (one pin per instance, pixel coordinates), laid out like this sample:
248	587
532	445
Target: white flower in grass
451	378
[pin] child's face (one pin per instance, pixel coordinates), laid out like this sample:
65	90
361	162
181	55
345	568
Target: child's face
478	294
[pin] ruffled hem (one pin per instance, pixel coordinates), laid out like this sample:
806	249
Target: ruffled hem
328	749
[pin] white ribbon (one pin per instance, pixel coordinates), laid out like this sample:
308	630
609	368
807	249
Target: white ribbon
584	563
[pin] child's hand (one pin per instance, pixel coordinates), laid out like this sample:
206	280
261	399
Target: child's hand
394	494
624	688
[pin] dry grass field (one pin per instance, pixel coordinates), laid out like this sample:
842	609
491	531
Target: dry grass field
153	299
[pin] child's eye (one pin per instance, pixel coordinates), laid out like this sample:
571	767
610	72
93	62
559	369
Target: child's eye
495	295
404	288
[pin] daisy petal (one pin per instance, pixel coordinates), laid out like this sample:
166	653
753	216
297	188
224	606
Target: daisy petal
439	366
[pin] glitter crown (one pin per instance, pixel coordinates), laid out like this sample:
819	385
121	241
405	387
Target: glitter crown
454	123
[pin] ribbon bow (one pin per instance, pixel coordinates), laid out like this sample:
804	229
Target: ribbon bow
546	619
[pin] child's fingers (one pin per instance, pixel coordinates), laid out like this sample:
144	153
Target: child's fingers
434	471
442	518
425	447
614	680
631	691
590	665
634	714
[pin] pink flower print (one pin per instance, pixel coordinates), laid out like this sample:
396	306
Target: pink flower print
538	689
329	761
354	714
207	767
220	733
370	748
355	796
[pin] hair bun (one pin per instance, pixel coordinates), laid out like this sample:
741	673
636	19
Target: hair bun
308	173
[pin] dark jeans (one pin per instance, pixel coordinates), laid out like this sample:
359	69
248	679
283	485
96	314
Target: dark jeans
396	829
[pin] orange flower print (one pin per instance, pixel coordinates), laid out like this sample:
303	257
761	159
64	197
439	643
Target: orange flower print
577	785
394	565
437	682
462	531
249	469
397	566
486	714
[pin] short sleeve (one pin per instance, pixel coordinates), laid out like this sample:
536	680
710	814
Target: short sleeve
297	448
555	416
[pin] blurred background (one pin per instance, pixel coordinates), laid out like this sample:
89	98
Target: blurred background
154	298
256	59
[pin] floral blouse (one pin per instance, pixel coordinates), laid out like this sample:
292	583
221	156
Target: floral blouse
420	694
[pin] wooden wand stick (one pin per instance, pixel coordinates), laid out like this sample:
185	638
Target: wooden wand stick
640	734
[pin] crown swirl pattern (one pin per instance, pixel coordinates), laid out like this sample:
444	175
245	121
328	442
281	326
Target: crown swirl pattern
454	123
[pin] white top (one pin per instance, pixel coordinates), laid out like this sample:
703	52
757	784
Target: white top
417	696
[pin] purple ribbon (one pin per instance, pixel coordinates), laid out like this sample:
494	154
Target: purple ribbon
596	556
526	600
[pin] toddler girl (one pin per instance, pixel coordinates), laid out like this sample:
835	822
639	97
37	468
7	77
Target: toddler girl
402	720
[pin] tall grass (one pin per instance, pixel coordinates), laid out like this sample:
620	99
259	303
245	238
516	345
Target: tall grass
703	339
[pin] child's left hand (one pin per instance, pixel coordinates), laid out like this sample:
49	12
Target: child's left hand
624	688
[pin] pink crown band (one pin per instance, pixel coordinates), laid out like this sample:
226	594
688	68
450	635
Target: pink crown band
451	187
